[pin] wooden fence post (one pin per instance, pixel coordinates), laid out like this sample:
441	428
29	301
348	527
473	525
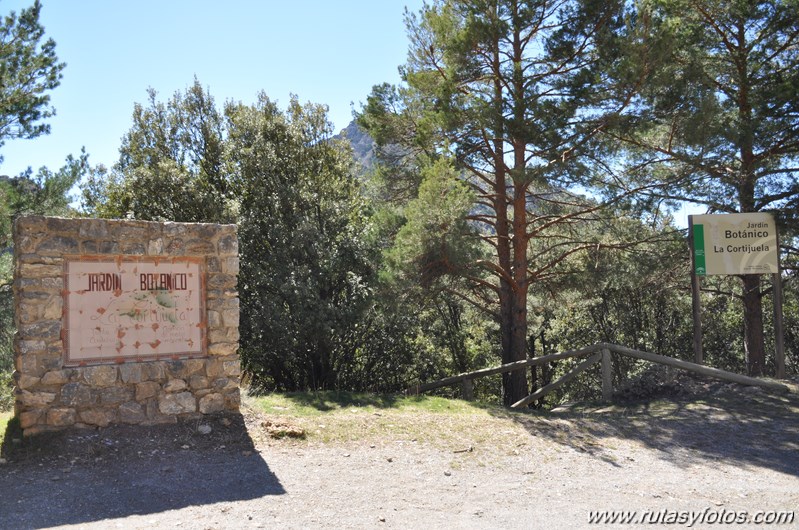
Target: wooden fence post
607	376
467	390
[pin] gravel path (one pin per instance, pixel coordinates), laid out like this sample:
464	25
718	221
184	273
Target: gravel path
728	451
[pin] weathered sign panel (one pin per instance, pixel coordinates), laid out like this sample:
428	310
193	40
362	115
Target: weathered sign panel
133	309
741	243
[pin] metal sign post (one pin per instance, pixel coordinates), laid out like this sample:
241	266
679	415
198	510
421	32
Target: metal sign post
696	308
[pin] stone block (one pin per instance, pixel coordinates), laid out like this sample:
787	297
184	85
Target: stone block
173	229
214	368
115	395
130	231
102	376
219	335
221	281
41	329
130	373
223	384
34	399
230	317
51	361
199	381
54	308
31	347
214	319
212	403
75	395
180	403
29	364
61	417
193	366
233	400
154	371
223	348
25	244
146	390
30	418
175	385
57	246
109	247
155	247
60	224
133	248
40	270
199	246
56	377
228	245
232	368
46	284
132	412
26	381
213	265
99	417
151	409
93	228
175	247
175	368
231	265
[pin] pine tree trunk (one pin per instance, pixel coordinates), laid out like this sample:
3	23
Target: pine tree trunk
753	326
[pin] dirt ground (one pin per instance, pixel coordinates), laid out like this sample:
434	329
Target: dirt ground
724	448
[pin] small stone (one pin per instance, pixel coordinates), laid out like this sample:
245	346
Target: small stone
204	429
175	385
212	403
177	403
447	473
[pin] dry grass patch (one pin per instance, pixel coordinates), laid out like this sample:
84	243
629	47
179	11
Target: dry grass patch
342	417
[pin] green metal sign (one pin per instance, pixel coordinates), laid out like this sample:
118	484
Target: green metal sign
699	249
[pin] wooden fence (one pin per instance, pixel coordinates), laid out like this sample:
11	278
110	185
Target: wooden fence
598	353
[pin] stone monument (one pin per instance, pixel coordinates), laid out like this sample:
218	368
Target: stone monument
123	321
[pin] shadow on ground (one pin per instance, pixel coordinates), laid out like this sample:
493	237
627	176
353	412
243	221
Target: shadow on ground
82	476
331	400
728	423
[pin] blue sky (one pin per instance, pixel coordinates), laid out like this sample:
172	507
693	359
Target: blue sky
324	51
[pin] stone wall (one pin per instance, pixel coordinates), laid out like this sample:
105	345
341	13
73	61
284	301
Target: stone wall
51	395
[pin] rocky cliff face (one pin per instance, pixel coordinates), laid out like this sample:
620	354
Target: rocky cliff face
363	146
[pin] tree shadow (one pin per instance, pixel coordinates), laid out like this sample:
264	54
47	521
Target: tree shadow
735	424
80	476
330	400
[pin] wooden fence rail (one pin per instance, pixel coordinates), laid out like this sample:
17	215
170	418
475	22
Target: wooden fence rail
518	365
599	352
